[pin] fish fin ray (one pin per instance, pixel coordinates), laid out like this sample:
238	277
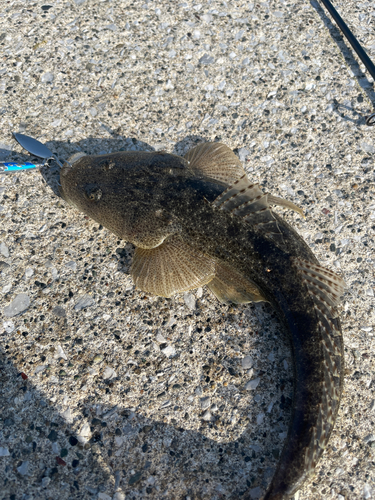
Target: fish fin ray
215	160
170	268
274	200
247	200
231	287
252	206
241	191
325	284
325	288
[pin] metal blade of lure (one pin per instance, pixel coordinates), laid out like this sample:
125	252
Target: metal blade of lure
35	147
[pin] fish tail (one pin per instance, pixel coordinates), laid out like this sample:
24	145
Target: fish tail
317	342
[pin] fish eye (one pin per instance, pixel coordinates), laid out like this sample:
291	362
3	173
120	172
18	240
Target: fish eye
93	193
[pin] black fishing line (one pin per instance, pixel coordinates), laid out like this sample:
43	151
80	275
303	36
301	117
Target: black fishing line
370	120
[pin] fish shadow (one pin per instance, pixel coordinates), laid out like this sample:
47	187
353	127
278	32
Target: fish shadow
124	451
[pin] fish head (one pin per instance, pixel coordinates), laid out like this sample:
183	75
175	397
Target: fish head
123	192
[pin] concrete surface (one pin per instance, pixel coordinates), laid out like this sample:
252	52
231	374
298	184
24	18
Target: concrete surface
107	393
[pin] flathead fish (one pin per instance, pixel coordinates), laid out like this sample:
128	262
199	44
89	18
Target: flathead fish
199	220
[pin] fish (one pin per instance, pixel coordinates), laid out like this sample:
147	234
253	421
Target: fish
199	220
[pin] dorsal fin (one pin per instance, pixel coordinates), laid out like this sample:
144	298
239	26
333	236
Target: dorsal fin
275	200
325	288
170	268
324	284
215	160
245	199
249	207
241	191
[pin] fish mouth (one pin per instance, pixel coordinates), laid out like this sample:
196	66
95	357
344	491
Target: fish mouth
68	164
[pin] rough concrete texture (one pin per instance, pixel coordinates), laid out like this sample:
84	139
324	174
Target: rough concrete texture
107	393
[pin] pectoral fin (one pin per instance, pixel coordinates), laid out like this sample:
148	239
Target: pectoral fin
170	268
215	160
231	287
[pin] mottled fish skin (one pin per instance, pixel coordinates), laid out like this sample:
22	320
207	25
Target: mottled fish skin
155	193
